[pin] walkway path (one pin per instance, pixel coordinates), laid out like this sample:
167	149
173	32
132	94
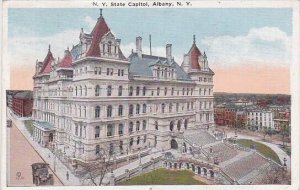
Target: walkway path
281	154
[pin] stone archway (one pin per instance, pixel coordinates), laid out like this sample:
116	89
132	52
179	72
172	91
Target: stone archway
184	147
199	169
212	173
51	137
174	144
205	171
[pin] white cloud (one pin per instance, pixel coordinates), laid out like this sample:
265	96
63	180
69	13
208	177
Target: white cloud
268	45
90	22
25	50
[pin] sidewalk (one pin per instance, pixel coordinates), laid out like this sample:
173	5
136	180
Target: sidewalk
60	168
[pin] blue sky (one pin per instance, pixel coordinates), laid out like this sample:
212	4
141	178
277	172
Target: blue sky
265	31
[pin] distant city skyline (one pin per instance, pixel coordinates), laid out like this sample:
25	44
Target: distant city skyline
248	49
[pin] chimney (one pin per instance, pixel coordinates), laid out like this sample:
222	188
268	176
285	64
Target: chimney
139	46
169	51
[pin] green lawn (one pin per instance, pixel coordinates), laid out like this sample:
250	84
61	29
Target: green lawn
29	126
164	177
261	148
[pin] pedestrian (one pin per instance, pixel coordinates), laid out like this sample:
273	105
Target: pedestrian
67	175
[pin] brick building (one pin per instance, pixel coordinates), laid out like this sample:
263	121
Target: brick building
22	103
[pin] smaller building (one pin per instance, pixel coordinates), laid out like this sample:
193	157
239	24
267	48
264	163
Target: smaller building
282	118
22	103
9	102
260	119
43	133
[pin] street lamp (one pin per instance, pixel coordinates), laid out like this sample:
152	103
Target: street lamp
284	161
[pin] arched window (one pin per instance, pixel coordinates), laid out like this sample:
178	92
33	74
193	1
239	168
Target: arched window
158	91
80	90
144	124
166	72
130	91
183	91
166	91
130	129
85	90
178	125
185	123
156	125
137	91
172	91
109	111
109	47
163	108
120	91
120	112
84	111
171	126
130	109
97	112
131	142
76	91
97	90
109	90
144	91
137	111
137	125
138	140
97	149
144	108
103	47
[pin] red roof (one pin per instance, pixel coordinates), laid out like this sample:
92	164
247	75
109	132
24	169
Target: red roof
98	32
194	55
46	66
66	62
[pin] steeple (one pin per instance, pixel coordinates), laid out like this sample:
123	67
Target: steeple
194	39
100	13
49	48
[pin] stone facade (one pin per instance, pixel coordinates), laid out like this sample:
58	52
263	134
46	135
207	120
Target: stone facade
95	98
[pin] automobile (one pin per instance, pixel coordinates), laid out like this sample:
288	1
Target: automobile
40	174
8	123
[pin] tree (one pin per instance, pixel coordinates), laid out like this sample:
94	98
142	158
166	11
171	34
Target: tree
277	175
284	131
267	131
97	170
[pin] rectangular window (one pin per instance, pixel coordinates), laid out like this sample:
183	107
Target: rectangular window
97	132
107	71
109	130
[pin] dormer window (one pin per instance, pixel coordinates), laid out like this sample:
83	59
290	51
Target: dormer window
109	47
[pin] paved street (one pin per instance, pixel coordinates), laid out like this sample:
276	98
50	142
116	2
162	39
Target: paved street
20	157
44	153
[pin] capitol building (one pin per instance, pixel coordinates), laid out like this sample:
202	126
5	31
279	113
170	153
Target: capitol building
95	98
